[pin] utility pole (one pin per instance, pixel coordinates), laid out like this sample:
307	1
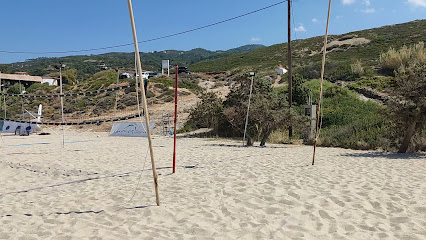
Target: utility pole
290	88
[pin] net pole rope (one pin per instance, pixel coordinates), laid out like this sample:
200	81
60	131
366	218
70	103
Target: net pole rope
137	89
321	83
137	95
248	110
62	106
154	171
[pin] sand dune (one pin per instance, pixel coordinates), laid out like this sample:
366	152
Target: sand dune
97	187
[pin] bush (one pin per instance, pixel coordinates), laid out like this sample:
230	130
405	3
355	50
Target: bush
16	88
357	69
206	114
393	59
377	83
350	122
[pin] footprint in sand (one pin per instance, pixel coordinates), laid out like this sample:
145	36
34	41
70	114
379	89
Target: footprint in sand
400	220
421	210
324	214
337	201
225	211
349	228
292	194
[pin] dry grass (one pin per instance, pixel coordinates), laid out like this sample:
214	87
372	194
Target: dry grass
394	59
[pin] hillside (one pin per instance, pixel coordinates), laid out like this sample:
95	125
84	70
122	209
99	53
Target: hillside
365	45
354	76
89	64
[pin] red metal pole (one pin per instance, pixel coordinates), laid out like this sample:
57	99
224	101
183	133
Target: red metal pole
174	129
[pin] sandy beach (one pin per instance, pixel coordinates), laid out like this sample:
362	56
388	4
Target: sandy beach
101	187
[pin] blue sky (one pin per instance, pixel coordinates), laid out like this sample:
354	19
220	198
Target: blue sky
58	25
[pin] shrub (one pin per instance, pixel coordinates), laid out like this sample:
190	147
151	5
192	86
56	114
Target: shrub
349	122
357	69
393	59
16	88
378	83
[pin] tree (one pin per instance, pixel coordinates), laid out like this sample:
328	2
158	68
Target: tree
300	92
70	76
410	107
268	109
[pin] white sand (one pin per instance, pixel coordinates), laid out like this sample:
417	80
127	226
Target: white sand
231	193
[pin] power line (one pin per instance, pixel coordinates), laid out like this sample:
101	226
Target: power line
149	40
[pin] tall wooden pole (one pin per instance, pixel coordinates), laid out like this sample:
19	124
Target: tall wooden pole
322	80
62	105
174	129
290	62
145	105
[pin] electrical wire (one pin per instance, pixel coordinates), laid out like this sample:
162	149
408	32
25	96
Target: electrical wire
149	40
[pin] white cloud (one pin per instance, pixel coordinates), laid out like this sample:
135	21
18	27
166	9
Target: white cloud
369	10
417	3
366	2
301	28
255	39
314	20
348	2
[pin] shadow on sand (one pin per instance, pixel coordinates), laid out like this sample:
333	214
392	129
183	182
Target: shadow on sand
241	146
387	155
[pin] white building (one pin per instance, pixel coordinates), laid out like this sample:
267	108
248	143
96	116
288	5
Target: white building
50	81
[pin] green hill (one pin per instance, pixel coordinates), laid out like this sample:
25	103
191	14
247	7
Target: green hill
365	45
89	64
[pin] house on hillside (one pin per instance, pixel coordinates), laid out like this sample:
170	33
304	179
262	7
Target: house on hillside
19	77
50	81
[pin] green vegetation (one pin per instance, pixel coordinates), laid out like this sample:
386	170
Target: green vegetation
267	111
377	82
350	122
88	65
409	106
307	52
393	60
39	88
385	64
16	89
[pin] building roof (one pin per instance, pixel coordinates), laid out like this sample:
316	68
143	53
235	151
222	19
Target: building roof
19	77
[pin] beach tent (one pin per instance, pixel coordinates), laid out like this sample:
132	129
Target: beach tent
22	128
130	129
